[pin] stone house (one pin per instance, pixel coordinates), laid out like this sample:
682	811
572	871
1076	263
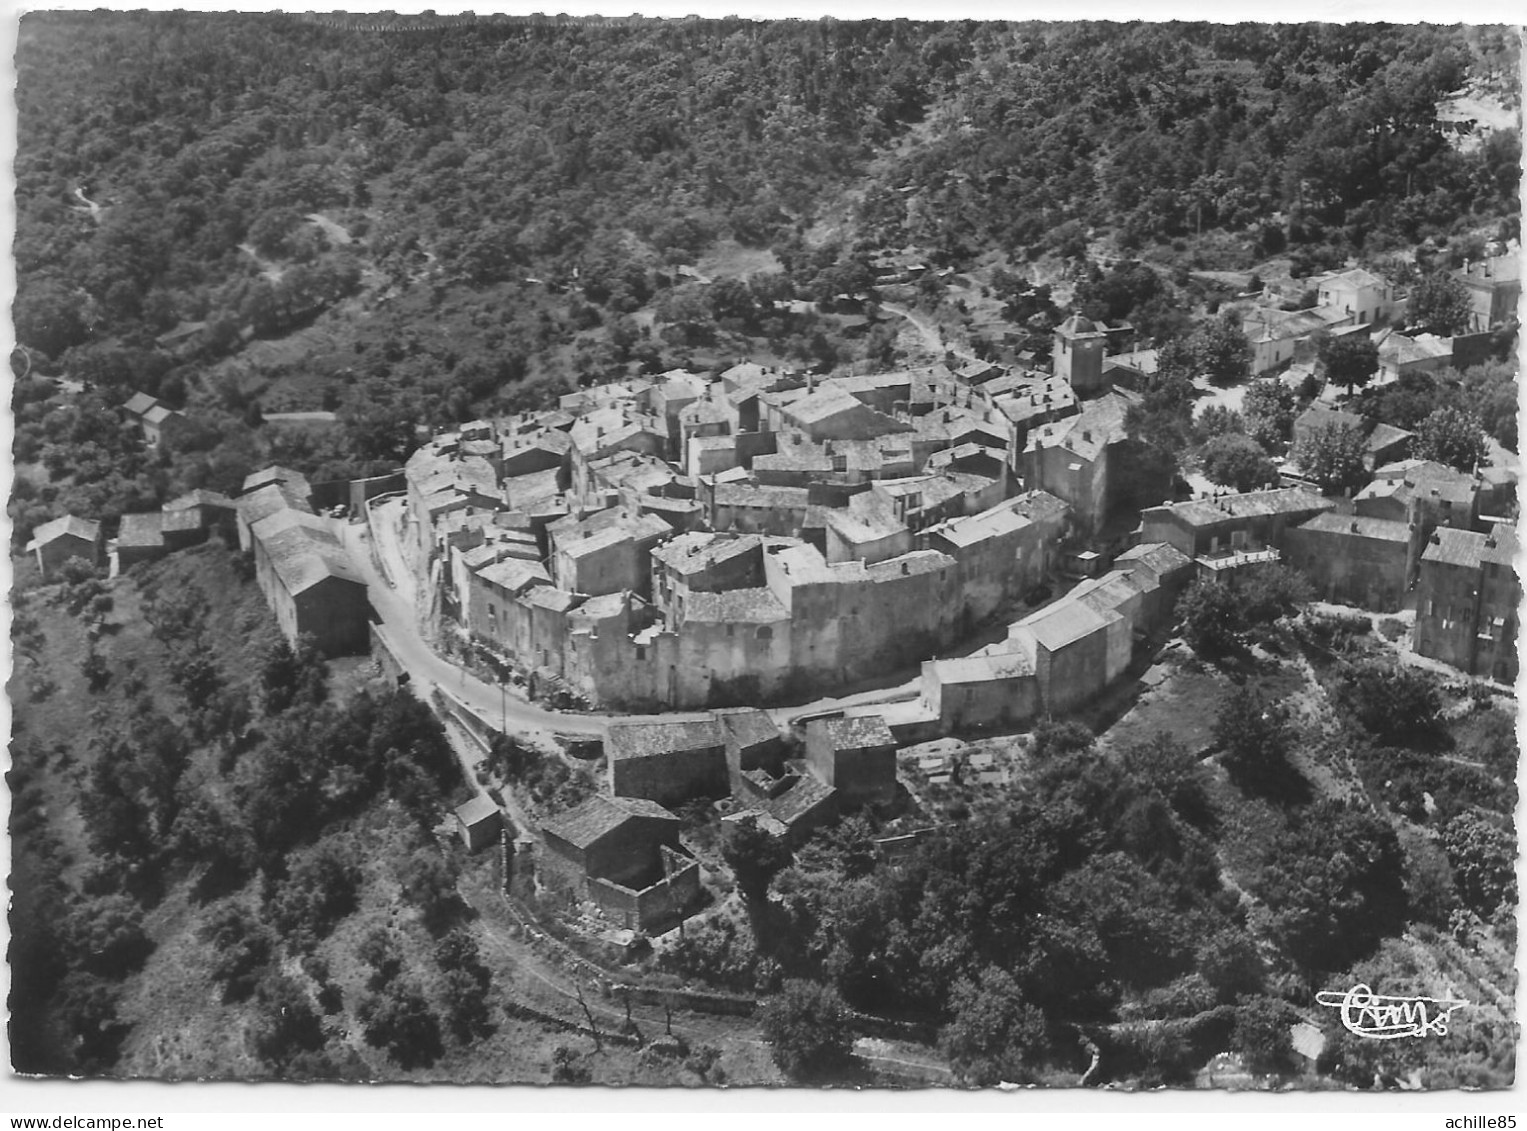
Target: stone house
984	690
479	822
855	756
1400	355
753	742
213	510
668	762
1494	285
622	855
1466	601
1070	647
747	508
616	557
309	583
1171	569
492	590
1358	293
1227	524
62	538
1352	559
140	538
1382	443
265	500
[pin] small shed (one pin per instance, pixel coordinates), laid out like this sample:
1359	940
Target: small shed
480	822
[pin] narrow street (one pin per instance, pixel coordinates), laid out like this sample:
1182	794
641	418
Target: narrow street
400	628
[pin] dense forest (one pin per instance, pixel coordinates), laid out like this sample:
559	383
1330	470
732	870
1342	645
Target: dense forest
243	214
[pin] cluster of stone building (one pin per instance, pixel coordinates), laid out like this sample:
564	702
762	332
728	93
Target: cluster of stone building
690	541
1356	301
1419	527
181	523
621	852
300	561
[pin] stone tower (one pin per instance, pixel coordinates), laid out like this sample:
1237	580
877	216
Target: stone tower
1078	355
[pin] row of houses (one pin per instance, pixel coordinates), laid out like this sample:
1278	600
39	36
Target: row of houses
181	523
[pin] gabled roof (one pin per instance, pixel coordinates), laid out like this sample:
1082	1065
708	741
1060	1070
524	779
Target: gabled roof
1063	624
1111	591
551	598
177	521
71	525
199	498
1039	506
480	808
139	403
1386	436
1500	547
644	739
748	726
303	550
1352	277
1252	504
1359	526
1159	558
277	474
735	606
268	500
599	816
983	668
1318	416
1456	547
855	732
515	574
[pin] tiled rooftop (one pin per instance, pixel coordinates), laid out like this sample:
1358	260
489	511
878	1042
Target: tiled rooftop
643	739
598	816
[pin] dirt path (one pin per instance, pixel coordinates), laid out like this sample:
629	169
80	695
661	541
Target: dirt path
930	334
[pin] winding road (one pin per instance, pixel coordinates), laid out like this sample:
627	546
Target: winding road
400	627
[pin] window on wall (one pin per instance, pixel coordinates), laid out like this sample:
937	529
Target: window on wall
764	632
641	652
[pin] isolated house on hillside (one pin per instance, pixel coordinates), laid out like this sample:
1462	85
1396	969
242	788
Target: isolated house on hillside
62	538
480	822
623	855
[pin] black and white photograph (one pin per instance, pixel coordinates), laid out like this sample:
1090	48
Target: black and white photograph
726	552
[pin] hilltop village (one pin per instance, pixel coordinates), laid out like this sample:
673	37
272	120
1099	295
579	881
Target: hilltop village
742	552
765	537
